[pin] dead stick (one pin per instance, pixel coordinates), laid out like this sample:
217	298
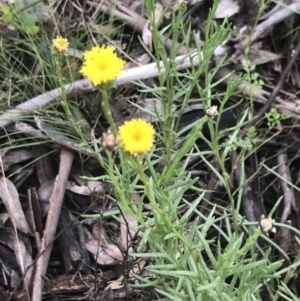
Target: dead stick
84	86
56	201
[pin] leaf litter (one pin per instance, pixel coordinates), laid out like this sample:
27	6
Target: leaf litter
107	242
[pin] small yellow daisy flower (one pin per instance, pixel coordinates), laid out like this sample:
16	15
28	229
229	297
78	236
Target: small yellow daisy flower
101	65
136	136
60	44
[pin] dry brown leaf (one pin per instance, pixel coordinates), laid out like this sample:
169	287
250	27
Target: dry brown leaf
138	267
10	198
259	56
147	35
24	260
114	284
158	12
226	8
104	254
16	156
3	218
101	246
91	186
127	234
44	195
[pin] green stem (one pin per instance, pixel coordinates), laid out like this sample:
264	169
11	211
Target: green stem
107	112
59	77
64	100
227	187
185	148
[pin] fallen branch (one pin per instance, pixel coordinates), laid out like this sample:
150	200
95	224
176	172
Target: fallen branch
56	202
265	27
85	86
288	192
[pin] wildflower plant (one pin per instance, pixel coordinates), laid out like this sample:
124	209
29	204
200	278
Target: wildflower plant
187	265
274	118
191	255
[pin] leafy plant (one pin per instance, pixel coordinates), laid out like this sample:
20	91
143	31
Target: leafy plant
274	117
191	256
22	21
252	76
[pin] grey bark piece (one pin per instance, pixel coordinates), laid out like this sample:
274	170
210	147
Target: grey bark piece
68	242
11	200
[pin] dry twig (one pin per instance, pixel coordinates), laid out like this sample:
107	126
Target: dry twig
56	201
288	192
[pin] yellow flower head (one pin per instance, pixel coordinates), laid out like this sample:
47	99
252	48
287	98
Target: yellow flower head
136	136
60	44
101	65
